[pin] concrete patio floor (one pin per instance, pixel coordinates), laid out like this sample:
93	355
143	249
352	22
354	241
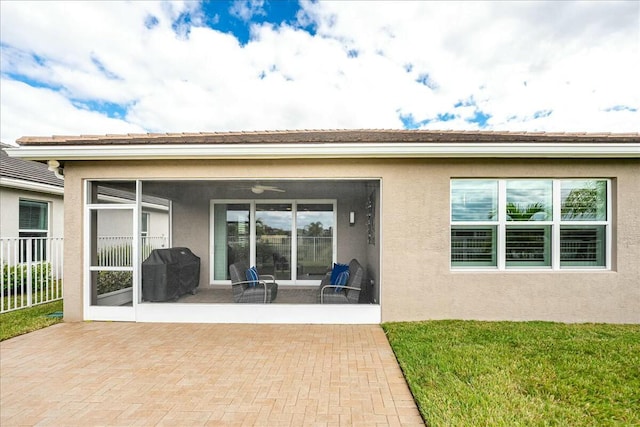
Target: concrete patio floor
122	374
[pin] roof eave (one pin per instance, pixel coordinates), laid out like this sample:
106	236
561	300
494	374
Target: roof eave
39	187
327	150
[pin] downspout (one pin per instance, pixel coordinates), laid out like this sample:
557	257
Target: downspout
56	168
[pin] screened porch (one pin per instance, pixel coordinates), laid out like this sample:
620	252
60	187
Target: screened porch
293	230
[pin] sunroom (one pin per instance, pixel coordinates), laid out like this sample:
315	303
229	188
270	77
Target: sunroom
292	229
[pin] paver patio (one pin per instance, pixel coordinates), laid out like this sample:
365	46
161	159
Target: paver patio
121	374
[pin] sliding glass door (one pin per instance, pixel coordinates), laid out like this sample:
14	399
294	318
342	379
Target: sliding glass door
292	240
273	239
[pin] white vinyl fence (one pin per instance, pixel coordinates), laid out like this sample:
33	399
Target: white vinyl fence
115	251
32	266
31	271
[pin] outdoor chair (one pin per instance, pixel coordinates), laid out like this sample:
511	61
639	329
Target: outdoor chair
338	294
264	290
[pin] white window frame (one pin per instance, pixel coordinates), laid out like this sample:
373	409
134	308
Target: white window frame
48	222
556	223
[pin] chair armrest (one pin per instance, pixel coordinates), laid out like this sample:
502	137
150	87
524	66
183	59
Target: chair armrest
259	282
334	286
247	282
270	277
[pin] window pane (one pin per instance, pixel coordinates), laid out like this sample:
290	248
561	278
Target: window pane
584	200
528	246
473	246
111	288
314	224
112	238
231	237
112	192
33	215
474	200
144	226
529	200
582	246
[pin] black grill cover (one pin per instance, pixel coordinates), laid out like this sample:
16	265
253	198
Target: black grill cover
170	273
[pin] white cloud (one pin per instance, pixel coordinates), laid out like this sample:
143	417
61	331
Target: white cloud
247	9
556	66
36	112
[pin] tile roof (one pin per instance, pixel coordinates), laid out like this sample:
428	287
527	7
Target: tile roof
330	136
26	170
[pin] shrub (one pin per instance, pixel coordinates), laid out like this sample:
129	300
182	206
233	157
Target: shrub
109	281
15	276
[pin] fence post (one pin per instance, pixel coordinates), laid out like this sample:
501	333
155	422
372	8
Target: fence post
29	242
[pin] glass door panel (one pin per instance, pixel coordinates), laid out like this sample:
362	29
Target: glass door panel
231	231
314	225
273	239
112	254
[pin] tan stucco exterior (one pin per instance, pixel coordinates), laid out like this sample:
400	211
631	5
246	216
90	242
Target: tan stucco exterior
409	262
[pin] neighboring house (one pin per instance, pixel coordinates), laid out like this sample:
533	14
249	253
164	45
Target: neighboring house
447	225
32	206
31	199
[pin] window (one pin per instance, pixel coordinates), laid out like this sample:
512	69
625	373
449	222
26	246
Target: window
530	223
144	224
33	219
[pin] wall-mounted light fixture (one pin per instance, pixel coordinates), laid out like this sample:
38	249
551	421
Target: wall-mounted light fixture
352	218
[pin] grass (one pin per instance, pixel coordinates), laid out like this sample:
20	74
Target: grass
26	320
12	301
468	373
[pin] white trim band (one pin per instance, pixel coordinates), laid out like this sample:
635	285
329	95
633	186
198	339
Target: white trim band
327	150
31	186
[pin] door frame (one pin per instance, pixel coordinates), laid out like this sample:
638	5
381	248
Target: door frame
116	312
252	238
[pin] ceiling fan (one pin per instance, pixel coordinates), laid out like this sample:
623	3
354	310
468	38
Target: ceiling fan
259	189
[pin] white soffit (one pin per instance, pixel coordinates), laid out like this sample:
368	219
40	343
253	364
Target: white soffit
327	150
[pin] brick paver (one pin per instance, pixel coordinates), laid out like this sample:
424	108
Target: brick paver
122	374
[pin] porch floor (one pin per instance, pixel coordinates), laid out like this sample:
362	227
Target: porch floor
121	374
224	294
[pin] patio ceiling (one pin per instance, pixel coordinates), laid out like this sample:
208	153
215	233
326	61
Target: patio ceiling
242	189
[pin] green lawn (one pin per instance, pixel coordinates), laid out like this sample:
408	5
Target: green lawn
468	373
26	320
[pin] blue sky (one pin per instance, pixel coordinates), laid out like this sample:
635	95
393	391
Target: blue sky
155	66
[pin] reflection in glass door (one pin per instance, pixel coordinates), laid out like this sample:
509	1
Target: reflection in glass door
273	239
314	225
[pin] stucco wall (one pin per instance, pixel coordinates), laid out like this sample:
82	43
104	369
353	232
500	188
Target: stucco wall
415	278
418	282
